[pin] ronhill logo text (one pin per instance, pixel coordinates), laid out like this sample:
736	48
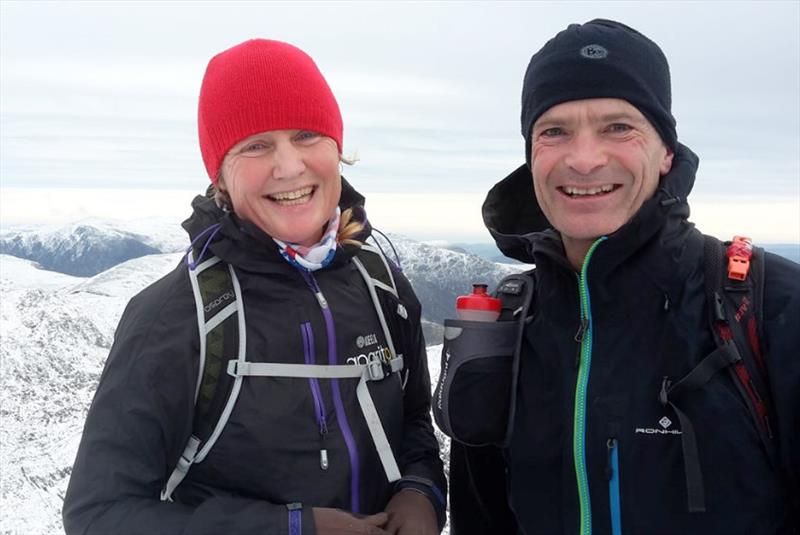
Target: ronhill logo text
665	424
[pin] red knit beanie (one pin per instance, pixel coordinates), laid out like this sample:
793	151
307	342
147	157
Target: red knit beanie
258	86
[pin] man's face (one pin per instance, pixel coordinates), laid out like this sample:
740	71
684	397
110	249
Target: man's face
594	163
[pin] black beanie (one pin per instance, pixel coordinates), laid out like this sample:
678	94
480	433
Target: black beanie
599	59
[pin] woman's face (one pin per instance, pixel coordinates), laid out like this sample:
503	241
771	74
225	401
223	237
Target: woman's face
286	182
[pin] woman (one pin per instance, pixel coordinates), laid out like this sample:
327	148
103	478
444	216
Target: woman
295	454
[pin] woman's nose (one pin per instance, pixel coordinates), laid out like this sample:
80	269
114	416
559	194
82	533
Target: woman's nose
287	161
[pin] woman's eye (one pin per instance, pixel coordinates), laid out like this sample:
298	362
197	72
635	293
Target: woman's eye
306	135
254	147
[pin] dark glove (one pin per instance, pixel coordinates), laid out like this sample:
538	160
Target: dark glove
411	513
337	522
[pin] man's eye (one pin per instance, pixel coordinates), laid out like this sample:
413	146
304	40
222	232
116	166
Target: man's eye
619	128
552	132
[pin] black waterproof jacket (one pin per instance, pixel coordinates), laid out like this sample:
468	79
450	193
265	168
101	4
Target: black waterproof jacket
269	452
645	318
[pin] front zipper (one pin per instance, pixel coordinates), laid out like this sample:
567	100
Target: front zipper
341	415
612	471
581	386
319	402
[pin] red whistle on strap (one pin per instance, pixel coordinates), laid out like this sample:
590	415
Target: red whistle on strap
739	253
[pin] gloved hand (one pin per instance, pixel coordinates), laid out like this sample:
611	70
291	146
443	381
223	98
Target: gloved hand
338	522
411	513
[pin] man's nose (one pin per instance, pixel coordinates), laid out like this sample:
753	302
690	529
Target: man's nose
287	161
586	154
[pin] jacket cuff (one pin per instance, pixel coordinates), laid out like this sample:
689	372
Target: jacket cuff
429	489
300	520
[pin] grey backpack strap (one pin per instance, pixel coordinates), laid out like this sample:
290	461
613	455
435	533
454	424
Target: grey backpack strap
221	327
375	270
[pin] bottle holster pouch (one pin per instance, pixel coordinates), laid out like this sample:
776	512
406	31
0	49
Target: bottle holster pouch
474	398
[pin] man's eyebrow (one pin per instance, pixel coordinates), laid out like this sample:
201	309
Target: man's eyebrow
550	122
618	116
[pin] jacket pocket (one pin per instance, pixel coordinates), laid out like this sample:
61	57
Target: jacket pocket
473	395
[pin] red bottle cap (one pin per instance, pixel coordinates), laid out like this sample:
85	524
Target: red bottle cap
479	299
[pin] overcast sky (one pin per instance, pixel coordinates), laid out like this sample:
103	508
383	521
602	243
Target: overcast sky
98	102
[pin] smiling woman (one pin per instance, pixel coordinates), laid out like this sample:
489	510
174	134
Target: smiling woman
279	443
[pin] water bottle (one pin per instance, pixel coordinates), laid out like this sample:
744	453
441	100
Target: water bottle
478	306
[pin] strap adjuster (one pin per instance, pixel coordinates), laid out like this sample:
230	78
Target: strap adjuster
375	370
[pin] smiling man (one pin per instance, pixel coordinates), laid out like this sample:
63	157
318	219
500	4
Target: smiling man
627	417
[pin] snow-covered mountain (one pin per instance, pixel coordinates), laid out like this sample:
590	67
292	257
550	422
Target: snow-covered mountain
89	247
56	330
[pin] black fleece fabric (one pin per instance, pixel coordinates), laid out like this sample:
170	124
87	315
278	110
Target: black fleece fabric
649	321
269	452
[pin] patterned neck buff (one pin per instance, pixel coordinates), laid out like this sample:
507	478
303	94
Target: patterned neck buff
317	256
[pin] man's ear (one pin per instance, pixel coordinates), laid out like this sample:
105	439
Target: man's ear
666	163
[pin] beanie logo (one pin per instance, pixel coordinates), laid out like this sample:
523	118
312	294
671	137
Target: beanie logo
594	52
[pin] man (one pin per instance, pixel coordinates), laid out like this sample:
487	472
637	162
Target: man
599	444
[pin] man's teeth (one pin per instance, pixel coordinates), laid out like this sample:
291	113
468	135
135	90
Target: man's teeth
292	195
571	190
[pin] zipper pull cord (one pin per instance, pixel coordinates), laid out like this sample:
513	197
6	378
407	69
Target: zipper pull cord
610	444
579	339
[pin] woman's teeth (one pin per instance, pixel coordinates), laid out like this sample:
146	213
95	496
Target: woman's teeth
576	192
289	198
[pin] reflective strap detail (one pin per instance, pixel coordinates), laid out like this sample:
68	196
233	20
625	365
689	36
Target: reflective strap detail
237	383
376	430
272	369
201	318
180	471
374	371
221	316
370	282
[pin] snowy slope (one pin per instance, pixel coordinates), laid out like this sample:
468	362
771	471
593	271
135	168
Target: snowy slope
55	333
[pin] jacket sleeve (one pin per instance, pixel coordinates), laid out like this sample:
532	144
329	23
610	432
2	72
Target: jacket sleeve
419	460
782	351
136	428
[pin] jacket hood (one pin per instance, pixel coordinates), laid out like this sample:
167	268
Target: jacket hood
515	220
244	244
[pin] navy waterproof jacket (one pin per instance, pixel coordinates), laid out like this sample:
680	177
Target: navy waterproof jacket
269	452
593	449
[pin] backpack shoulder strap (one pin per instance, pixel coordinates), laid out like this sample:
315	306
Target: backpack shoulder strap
734	292
375	270
516	294
220	321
